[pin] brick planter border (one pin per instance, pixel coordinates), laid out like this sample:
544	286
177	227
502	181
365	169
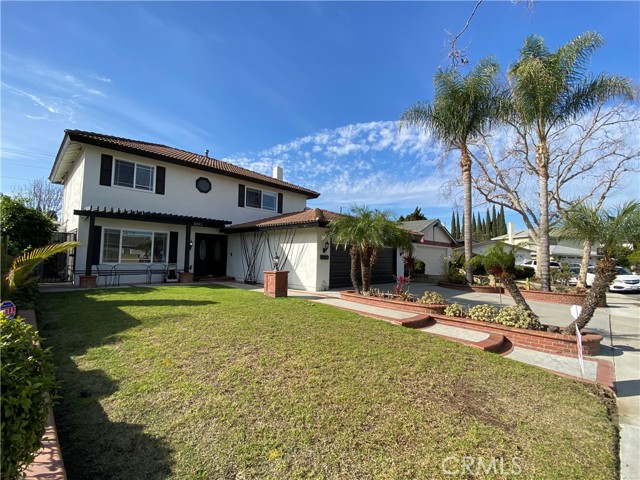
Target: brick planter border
88	281
561	298
558	297
535	340
472	288
394	304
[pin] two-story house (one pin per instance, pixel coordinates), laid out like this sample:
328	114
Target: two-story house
152	212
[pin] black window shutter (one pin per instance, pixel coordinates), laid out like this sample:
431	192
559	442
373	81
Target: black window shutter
160	174
105	170
97	241
280	202
241	195
173	247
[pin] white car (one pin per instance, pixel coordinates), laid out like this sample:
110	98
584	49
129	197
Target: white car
534	264
625	281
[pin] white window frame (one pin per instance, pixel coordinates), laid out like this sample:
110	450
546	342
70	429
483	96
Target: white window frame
135	175
262	195
153	237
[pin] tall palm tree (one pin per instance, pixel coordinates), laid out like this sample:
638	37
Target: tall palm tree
549	89
609	229
367	232
463	106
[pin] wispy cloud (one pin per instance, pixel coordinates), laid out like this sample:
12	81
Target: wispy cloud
367	163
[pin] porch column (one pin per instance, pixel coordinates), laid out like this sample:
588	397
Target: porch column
187	248
90	241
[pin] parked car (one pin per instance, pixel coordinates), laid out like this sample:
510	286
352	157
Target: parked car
534	264
574	273
625	281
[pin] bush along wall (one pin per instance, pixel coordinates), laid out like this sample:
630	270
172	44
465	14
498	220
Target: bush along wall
28	384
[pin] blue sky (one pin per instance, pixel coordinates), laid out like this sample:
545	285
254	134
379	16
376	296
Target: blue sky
314	87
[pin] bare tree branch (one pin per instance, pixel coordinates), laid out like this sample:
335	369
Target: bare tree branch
42	195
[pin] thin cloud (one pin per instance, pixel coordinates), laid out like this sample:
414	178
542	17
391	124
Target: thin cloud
367	163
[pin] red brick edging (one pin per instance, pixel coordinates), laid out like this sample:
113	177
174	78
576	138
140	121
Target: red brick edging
536	340
393	304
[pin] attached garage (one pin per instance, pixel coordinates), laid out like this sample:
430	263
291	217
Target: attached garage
340	267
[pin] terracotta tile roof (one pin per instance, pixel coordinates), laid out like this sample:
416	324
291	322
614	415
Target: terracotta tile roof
182	157
307	217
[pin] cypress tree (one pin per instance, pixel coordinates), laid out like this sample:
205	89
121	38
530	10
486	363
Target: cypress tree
488	226
474	226
453	224
494	222
503	222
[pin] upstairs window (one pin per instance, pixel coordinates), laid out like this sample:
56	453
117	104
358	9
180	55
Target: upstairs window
133	175
259	199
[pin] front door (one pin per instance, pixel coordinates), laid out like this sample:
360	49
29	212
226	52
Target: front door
210	255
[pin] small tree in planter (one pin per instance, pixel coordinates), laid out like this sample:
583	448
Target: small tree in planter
607	228
501	264
367	232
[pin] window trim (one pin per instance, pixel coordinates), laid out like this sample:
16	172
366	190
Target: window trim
120	230
153	168
262	194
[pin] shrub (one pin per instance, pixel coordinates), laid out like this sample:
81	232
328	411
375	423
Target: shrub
518	316
418	266
483	313
455	310
27	377
521	272
432	298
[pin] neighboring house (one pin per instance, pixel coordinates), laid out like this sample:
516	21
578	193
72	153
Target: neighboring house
141	208
433	243
560	250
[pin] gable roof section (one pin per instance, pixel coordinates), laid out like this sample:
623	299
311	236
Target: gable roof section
417	227
69	148
310	217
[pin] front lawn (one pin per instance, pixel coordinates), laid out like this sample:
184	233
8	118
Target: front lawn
207	382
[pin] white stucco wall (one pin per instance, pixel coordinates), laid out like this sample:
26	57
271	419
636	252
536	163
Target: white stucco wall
72	196
436	234
181	196
306	270
432	256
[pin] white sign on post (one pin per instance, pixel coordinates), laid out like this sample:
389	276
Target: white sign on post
575	313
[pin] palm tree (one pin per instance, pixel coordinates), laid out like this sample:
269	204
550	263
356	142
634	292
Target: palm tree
501	264
609	229
367	232
549	89
22	267
462	108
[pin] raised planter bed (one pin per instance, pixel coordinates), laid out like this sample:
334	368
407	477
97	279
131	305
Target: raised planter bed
536	295
395	304
558	297
533	339
472	288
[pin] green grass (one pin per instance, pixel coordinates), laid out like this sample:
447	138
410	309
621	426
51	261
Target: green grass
210	382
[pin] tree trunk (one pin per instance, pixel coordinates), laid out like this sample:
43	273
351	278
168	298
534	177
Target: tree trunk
508	280
465	165
605	273
584	264
365	268
542	159
354	253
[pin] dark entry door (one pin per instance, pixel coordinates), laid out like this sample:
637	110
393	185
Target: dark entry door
210	255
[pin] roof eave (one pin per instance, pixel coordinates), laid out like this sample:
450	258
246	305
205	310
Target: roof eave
74	136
